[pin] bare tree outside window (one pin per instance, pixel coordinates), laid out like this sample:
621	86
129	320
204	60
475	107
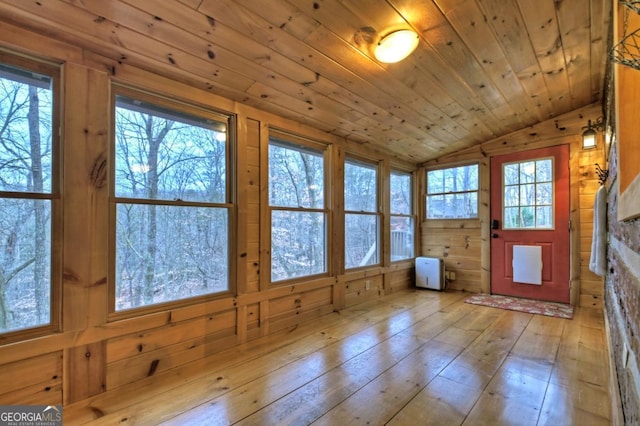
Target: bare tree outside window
298	214
362	223
452	193
402	238
26	194
528	194
172	213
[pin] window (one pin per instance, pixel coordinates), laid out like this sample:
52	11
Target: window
29	197
298	213
401	216
528	194
172	208
452	193
361	214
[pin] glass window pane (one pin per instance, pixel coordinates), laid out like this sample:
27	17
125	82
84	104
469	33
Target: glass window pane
450	180
26	112
528	219
534	191
544	169
527	172
544	217
450	193
168	155
544	194
298	244
401	238
167	253
511	218
360	187
527	195
511	173
435	181
435	207
26	166
25	263
400	184
511	196
361	240
471	205
296	176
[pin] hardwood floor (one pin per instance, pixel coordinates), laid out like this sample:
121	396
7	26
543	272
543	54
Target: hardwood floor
417	357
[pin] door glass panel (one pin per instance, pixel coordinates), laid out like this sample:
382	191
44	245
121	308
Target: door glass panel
511	174
543	170
544	191
528	194
527	172
544	217
511	196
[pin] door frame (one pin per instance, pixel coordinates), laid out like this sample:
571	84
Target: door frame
571	237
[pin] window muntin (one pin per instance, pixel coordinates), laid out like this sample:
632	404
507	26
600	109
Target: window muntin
402	231
362	221
528	194
28	197
172	210
298	212
452	193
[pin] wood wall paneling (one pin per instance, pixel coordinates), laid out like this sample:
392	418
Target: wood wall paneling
464	244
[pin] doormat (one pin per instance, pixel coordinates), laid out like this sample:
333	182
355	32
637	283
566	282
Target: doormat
530	306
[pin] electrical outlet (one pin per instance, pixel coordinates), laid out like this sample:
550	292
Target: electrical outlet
367	284
452	275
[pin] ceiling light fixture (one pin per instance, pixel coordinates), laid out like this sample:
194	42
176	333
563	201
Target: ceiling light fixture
396	46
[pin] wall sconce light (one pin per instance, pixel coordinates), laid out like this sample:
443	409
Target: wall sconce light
396	46
589	140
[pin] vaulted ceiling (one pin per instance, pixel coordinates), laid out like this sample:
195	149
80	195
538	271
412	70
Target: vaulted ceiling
483	68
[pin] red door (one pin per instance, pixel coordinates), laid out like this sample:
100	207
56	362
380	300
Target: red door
530	207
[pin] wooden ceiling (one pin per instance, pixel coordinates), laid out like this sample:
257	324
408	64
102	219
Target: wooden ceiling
483	68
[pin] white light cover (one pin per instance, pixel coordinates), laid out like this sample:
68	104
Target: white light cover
396	46
588	139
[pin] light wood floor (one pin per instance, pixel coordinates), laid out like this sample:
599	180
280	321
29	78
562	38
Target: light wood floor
414	358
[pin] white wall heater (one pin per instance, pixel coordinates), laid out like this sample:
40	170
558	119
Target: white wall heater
430	273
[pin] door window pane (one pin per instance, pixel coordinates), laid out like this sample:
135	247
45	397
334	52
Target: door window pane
528	194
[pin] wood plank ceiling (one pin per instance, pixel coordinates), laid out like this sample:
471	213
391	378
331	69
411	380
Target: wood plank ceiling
483	68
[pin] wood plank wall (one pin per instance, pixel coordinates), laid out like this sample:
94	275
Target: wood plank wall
465	245
93	352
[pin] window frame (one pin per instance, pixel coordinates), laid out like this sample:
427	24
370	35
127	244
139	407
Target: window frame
187	108
294	141
411	215
377	213
427	193
54	72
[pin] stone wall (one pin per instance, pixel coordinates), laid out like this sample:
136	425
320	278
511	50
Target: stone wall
622	299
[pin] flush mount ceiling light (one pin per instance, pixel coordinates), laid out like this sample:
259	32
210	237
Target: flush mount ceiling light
396	46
